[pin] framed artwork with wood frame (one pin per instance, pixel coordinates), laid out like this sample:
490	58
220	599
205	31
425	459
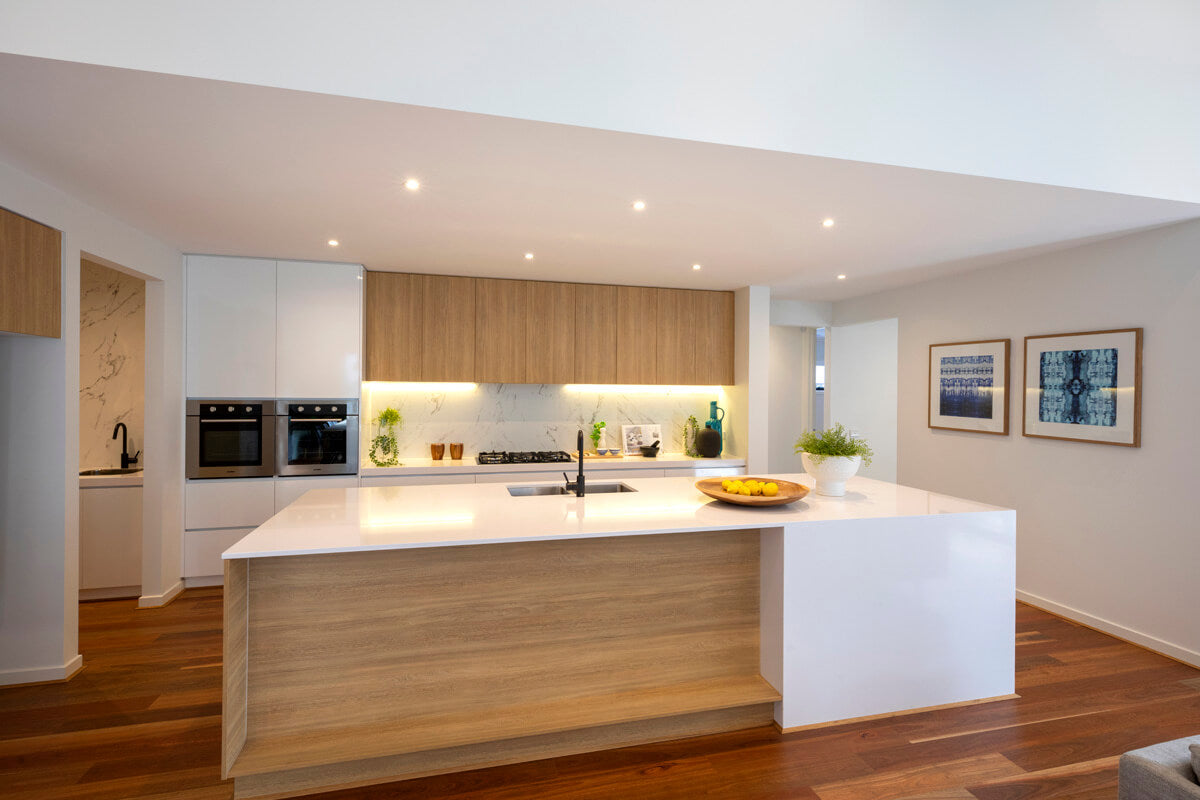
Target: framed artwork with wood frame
1085	387
968	386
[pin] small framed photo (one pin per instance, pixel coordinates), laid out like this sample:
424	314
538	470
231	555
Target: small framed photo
968	386
634	436
1085	387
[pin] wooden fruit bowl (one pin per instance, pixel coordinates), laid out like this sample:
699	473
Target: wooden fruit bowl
788	492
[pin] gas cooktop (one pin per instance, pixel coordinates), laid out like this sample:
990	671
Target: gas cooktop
530	457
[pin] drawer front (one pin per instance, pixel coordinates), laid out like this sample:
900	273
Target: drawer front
526	477
600	475
288	490
202	551
414	480
236	503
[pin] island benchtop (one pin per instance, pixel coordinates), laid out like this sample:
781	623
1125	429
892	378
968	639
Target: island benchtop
399	517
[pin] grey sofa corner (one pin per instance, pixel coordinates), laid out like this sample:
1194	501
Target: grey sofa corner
1158	772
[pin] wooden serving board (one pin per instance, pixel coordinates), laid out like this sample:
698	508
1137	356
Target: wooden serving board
575	455
789	492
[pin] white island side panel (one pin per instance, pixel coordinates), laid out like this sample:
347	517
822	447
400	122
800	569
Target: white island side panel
875	616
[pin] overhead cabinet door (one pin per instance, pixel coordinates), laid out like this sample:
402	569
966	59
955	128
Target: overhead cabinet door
595	334
30	277
501	317
637	333
695	337
230	327
551	328
319	329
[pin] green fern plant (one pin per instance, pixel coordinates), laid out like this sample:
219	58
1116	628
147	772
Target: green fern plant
835	441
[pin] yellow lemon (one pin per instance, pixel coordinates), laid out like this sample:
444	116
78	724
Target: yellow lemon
725	484
756	489
770	490
744	490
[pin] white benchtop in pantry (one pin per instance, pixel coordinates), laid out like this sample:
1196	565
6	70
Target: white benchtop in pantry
427	466
397	517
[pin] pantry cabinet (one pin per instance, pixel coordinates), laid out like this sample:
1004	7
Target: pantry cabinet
30	277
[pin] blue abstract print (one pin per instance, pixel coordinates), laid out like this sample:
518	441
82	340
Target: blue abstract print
1079	387
966	386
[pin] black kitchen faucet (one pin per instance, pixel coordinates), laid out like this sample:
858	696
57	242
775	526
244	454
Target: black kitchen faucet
577	487
127	459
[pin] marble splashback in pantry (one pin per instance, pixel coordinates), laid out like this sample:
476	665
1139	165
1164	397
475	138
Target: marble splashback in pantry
112	363
503	416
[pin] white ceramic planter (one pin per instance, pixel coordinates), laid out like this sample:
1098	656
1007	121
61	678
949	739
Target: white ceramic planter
831	473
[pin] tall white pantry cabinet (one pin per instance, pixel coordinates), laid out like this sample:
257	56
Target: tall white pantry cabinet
261	328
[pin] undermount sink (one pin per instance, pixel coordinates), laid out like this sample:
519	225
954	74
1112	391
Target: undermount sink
110	471
591	488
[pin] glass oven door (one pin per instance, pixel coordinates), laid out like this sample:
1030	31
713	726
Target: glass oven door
230	439
318	438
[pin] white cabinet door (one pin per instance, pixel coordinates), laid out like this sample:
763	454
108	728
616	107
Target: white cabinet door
202	551
415	480
233	503
110	537
604	475
525	477
230	327
288	490
319	330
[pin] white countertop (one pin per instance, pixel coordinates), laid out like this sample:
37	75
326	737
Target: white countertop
110	481
397	517
427	466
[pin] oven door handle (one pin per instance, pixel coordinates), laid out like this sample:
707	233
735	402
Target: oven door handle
315	419
232	419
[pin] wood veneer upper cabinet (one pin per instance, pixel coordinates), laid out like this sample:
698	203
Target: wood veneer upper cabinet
394	327
448	314
501	330
637	332
695	337
595	333
551	328
714	338
419	327
30	277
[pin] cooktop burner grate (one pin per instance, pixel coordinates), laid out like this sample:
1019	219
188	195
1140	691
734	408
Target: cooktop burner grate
524	457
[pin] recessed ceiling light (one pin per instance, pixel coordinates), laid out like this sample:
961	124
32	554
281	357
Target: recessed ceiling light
827	222
412	184
695	266
639	205
841	277
333	243
529	256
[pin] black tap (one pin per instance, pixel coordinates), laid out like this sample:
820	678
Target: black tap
578	486
126	459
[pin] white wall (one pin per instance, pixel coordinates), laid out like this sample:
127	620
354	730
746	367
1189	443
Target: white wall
790	403
1106	534
1092	95
39	465
746	402
861	386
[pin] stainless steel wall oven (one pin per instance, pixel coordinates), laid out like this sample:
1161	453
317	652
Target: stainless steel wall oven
317	437
230	438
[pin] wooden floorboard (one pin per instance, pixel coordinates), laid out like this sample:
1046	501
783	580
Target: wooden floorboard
142	720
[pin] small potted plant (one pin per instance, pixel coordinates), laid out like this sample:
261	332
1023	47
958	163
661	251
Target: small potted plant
384	450
597	434
832	456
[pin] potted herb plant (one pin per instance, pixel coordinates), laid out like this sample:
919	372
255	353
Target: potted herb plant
384	450
832	456
597	434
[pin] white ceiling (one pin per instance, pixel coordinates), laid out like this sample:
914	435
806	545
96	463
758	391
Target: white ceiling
228	168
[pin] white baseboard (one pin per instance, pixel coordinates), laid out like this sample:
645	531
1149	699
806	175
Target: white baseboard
156	600
1190	657
208	580
109	593
12	677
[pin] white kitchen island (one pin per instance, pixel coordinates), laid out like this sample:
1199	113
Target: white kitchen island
375	634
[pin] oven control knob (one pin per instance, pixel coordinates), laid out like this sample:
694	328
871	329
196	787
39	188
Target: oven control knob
230	409
249	409
300	408
333	409
212	408
318	408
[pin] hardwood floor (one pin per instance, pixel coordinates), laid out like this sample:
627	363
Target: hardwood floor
142	720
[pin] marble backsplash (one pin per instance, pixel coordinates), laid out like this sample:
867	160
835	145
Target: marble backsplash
112	366
502	416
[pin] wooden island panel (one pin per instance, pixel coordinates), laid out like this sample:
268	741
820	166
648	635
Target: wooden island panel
417	661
